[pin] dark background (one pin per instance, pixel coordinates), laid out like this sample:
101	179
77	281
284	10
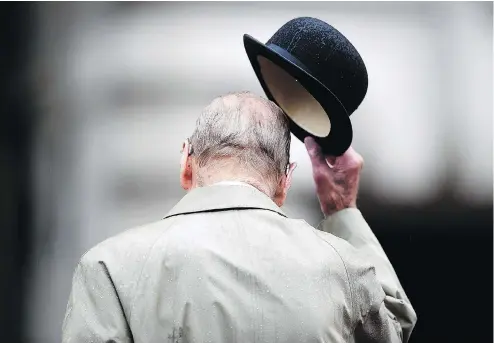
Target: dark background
446	271
16	128
441	250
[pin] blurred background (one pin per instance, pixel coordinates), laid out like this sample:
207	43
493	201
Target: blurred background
98	97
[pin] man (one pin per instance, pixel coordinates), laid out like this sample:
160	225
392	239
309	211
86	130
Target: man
227	265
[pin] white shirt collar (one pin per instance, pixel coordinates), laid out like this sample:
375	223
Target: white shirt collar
234	183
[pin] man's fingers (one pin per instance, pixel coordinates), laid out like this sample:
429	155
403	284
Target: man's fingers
319	164
314	150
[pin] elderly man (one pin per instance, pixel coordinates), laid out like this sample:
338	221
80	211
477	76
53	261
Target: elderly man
227	265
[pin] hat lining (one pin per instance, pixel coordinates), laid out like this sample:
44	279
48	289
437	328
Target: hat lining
294	99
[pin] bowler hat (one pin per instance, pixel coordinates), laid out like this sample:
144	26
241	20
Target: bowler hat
316	76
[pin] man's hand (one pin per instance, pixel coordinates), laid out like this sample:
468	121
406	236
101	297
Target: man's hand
336	185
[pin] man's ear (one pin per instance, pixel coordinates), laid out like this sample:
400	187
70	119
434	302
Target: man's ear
284	186
289	174
186	166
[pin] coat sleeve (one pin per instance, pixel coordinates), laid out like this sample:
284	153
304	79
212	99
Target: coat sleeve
94	312
388	315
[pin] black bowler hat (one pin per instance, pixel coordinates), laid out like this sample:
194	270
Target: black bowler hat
316	76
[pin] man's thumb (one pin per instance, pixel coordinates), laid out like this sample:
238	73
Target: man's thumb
314	150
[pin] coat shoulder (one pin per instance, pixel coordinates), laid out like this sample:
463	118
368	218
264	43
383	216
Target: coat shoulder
127	244
124	256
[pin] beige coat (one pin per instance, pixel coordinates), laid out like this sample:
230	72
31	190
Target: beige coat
226	265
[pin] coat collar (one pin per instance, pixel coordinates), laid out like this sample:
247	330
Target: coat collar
220	197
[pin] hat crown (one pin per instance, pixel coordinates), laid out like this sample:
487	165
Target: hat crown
329	57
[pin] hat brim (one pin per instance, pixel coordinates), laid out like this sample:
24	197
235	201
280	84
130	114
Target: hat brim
340	136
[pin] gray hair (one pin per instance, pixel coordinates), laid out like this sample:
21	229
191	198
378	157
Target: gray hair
248	130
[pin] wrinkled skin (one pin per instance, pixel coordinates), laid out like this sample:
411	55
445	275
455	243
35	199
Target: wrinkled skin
336	178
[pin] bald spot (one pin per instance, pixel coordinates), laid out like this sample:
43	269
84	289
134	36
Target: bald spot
250	105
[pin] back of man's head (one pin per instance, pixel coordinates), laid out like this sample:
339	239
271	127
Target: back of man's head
242	137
